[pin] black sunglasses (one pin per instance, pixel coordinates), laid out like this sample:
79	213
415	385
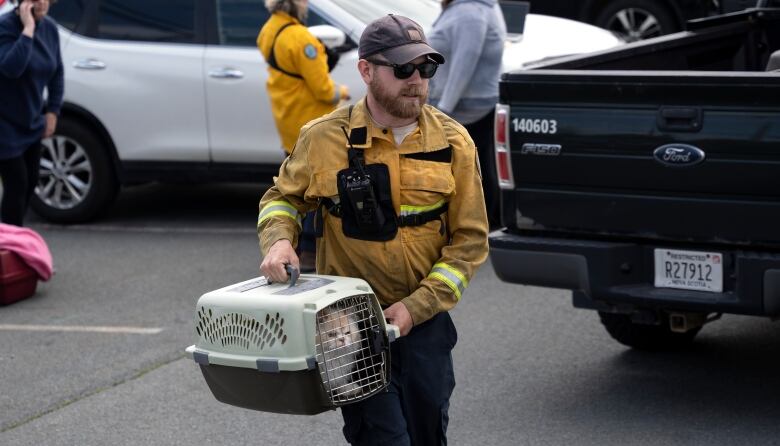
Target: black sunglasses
404	71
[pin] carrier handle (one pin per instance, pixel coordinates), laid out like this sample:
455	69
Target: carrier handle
293	273
393	332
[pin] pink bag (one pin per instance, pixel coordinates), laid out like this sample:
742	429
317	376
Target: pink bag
29	246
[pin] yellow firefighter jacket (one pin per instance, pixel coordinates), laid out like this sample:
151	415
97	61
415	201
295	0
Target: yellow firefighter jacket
295	101
427	267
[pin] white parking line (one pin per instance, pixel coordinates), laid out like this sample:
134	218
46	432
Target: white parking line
80	328
249	229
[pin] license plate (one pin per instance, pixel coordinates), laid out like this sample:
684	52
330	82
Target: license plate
689	270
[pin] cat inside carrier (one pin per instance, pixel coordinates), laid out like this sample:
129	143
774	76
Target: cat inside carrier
301	348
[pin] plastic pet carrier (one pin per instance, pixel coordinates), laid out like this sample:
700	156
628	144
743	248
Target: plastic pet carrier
304	348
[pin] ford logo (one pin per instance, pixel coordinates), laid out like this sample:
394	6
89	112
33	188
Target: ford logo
678	155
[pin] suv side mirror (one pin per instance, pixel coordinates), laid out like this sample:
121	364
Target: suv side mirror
330	36
514	15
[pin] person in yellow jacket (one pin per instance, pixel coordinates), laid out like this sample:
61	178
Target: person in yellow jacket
299	85
401	207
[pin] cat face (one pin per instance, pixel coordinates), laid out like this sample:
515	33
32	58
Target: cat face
337	329
339	349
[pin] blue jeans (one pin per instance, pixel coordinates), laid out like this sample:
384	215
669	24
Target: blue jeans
413	411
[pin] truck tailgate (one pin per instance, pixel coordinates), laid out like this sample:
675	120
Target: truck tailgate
604	151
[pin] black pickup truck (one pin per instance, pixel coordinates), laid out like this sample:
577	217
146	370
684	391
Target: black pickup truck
647	178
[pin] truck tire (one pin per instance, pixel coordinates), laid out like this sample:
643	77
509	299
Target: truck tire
77	180
643	336
634	20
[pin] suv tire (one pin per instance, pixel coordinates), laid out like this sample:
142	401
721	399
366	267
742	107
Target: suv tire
645	337
631	19
77	180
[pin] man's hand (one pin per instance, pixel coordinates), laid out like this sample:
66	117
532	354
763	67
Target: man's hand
397	314
51	124
280	254
26	16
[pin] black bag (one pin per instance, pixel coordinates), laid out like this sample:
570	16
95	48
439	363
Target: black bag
333	56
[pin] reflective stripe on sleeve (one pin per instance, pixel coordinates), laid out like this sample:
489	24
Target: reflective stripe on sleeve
411	210
279	208
451	277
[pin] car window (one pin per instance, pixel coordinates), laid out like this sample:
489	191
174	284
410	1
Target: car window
314	19
67	13
240	21
171	21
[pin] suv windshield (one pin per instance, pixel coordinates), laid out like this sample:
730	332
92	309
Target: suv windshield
424	12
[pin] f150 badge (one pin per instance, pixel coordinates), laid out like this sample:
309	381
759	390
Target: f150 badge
540	149
678	155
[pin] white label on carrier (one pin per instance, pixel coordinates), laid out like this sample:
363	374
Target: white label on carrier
304	285
257	283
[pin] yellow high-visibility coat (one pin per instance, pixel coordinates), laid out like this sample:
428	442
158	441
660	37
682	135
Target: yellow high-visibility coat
427	267
295	101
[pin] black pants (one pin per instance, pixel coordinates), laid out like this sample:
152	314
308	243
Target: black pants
20	176
482	134
308	238
413	411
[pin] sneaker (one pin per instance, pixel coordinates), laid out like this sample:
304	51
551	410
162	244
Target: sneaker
308	262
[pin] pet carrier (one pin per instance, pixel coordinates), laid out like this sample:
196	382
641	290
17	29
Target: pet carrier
300	348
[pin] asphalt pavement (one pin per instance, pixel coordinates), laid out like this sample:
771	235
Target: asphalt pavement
96	356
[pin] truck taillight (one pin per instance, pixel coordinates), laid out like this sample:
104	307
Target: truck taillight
503	155
500	126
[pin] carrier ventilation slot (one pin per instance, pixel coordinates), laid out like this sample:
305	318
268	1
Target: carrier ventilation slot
240	330
349	360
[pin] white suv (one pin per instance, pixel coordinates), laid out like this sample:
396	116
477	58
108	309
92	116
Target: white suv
174	90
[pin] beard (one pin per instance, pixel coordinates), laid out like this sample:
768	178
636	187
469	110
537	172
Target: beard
402	105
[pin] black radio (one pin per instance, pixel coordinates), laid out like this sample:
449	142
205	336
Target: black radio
360	192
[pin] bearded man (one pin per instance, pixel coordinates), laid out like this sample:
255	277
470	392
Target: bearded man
398	192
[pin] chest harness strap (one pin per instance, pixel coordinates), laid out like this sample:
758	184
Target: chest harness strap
416	219
272	57
334	209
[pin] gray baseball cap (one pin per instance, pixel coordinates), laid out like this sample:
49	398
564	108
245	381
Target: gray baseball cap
399	39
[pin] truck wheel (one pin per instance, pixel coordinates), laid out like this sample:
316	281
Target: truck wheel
633	20
645	337
76	180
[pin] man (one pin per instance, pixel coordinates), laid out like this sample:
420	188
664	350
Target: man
417	235
299	85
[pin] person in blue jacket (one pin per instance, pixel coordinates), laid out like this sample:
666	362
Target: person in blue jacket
470	34
30	62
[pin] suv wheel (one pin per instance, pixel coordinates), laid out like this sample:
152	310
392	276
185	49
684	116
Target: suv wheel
633	20
643	336
76	178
